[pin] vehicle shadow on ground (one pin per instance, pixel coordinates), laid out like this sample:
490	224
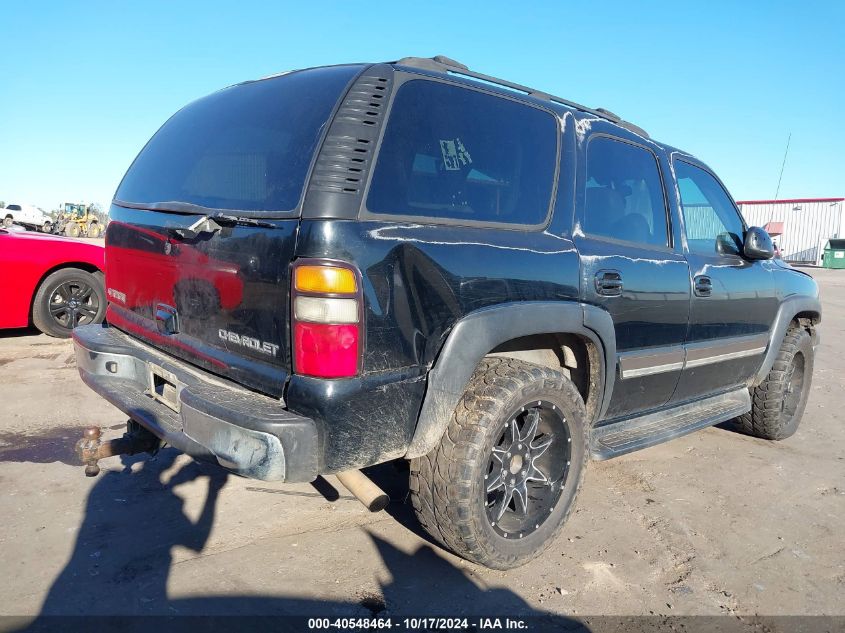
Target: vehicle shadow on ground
123	556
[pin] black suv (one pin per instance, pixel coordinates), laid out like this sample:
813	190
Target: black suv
335	267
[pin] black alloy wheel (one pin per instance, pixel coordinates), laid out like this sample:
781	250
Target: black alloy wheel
67	299
504	477
527	469
74	303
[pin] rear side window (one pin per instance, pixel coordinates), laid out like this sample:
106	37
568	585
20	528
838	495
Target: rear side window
711	221
624	198
464	156
247	147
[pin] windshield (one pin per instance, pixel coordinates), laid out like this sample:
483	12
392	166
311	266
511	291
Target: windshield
244	148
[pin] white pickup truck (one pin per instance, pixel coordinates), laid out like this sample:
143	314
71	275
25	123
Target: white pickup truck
28	216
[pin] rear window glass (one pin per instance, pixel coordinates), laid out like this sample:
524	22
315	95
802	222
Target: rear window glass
247	147
624	198
462	155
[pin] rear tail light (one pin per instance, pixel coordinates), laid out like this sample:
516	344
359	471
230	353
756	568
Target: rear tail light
324	310
327	324
326	279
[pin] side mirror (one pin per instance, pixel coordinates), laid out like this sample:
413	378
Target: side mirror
758	244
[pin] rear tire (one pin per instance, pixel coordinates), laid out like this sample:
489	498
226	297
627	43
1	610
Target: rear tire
67	298
460	489
778	402
94	230
8	221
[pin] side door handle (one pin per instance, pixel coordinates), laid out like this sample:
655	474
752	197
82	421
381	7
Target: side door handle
703	286
609	283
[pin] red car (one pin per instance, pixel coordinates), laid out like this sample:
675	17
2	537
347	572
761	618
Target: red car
177	273
51	282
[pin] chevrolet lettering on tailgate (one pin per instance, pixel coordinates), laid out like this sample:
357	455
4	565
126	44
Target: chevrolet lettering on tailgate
248	341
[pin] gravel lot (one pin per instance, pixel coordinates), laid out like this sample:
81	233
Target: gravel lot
712	523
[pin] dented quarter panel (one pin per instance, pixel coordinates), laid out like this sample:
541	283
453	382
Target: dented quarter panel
419	280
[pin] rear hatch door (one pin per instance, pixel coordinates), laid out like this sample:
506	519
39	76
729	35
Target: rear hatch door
204	225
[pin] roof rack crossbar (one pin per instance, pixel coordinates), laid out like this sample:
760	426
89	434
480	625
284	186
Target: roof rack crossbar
440	63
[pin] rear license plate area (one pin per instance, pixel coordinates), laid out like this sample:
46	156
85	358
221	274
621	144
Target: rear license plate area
163	386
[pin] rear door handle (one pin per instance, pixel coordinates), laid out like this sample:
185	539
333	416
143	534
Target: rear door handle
703	286
609	283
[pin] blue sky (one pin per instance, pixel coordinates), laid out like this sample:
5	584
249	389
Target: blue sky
84	85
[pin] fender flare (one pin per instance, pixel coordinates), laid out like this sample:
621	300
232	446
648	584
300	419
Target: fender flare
786	312
476	334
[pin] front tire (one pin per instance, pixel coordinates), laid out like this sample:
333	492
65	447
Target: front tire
778	403
67	298
8	221
503	479
72	230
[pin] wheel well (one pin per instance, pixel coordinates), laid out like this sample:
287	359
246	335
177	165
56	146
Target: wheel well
89	268
809	318
577	357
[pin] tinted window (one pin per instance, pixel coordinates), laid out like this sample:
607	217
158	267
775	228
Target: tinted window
624	197
247	147
14	207
135	238
711	222
455	153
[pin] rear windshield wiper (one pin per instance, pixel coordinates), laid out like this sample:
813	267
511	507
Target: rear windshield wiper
212	223
225	219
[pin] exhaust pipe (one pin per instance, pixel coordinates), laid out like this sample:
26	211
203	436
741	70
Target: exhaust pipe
356	482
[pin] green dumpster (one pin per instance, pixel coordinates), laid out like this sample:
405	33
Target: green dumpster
834	254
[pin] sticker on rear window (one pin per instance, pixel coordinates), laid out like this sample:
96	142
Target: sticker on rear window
455	155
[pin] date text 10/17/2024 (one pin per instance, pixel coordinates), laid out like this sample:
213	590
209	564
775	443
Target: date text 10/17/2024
417	624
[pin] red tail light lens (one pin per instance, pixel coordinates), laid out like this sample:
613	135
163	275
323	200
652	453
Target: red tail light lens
326	351
326	313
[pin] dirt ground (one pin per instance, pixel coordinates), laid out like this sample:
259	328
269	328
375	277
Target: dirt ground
712	523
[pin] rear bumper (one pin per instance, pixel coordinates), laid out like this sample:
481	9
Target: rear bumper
245	432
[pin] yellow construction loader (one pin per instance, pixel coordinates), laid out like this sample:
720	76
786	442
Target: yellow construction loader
77	219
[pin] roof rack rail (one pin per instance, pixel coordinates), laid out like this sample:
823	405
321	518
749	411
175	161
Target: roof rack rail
441	63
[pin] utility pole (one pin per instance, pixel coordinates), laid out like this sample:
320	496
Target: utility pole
782	165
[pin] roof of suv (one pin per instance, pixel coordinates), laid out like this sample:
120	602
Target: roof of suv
446	66
441	66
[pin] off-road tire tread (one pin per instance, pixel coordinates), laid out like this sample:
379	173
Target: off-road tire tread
764	420
440	495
